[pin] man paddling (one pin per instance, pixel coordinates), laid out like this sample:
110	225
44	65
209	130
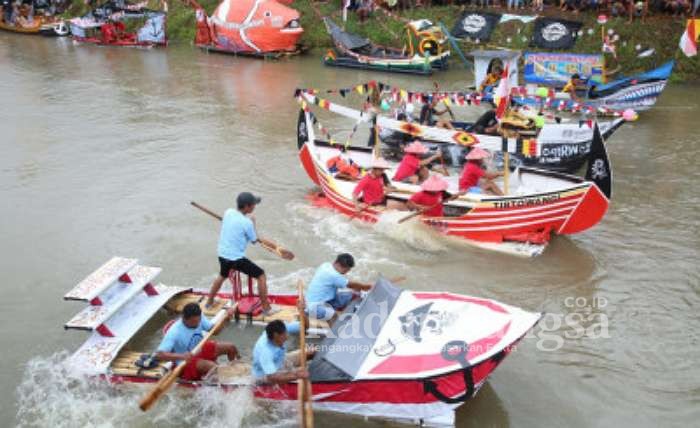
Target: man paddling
185	334
270	354
371	190
237	231
409	170
474	178
330	289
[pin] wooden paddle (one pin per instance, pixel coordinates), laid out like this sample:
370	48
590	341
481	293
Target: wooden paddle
447	106
167	381
419	212
265	243
306	414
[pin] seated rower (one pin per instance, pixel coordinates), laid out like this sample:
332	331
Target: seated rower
474	178
487	123
432	194
574	83
184	335
270	352
411	163
372	188
429	110
326	290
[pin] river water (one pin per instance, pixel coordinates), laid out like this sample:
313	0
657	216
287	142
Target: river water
103	148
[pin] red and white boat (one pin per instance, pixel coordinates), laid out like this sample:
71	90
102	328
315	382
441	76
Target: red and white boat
404	355
539	203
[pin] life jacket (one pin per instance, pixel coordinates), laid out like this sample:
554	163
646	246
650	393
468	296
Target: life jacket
339	165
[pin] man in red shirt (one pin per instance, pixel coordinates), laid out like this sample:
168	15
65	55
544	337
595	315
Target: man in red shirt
430	197
372	188
412	163
474	178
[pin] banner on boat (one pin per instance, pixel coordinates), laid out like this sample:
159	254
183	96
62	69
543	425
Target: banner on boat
476	25
552	33
552	68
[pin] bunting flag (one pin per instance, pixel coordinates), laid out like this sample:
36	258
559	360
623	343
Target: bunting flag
688	43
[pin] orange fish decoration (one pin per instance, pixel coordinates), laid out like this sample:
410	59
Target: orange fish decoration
249	26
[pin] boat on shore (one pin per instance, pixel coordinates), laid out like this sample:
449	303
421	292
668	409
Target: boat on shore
107	26
425	51
423	355
255	28
42	25
537	205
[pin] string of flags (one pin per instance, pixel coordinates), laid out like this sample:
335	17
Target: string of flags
460	98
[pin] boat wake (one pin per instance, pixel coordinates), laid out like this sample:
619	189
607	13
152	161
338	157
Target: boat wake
51	393
412	232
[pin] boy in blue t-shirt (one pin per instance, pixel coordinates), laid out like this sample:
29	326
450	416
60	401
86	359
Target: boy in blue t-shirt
330	289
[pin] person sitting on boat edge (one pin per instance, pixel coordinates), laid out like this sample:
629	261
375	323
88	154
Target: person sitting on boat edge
572	85
270	354
431	197
411	164
185	334
237	231
372	188
330	289
429	110
474	178
486	124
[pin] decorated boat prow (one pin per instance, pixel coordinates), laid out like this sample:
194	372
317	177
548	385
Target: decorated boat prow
419	357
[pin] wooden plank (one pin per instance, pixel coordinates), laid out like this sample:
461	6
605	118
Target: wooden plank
99	280
113	299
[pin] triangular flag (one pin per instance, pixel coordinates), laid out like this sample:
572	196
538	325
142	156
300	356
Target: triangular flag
501	96
688	44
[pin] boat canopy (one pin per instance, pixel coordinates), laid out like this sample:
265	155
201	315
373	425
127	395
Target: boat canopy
348	40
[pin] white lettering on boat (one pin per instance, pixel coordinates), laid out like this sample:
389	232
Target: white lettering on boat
527	202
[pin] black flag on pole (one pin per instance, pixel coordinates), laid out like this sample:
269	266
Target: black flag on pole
553	33
476	25
598	169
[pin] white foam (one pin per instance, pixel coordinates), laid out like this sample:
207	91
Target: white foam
51	395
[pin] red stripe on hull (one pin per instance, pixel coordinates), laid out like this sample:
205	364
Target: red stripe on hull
308	163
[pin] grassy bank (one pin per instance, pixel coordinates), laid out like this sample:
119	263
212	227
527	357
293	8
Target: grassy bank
659	32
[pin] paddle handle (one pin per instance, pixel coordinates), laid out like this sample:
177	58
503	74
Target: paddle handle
304	386
206	210
265	243
167	381
419	212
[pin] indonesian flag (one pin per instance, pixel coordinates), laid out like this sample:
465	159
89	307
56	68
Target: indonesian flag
687	43
502	94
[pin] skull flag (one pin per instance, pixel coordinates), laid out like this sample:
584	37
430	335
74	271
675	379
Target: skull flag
476	25
552	33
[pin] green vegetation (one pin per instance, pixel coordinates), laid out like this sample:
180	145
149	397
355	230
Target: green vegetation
659	32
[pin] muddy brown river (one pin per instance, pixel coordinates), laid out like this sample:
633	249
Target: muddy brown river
103	148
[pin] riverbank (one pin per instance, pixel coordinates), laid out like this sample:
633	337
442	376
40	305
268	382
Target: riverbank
661	32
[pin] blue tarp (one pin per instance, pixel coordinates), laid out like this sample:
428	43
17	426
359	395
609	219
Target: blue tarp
153	31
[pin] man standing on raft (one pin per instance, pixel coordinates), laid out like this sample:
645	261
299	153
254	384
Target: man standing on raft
237	231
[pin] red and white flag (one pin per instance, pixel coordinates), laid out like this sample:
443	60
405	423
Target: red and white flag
502	94
688	44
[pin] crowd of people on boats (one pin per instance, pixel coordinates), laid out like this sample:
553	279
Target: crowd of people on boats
329	291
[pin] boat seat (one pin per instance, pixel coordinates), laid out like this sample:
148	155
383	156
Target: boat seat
101	279
94	316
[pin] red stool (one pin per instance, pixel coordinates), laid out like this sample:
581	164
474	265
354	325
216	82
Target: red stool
248	304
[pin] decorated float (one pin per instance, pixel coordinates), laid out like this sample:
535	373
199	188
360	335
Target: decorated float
259	28
34	17
421	357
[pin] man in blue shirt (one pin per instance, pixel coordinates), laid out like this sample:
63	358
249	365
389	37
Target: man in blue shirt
269	354
330	289
237	231
185	334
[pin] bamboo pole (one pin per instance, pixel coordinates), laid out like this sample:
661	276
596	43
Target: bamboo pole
306	414
506	172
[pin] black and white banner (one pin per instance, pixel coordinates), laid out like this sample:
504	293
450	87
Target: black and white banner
552	33
476	25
